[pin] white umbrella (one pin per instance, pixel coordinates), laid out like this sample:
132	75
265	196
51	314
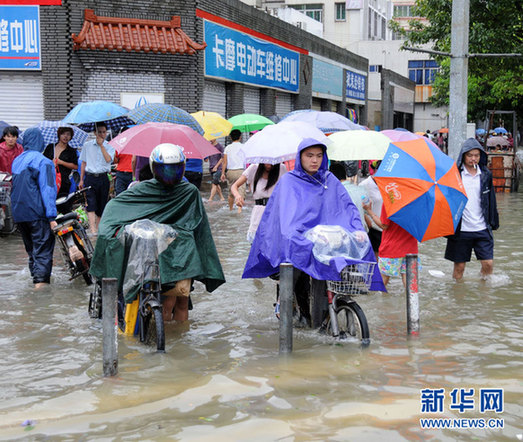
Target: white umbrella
279	142
353	145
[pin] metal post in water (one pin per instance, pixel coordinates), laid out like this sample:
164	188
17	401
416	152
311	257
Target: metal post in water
286	301
412	295
109	326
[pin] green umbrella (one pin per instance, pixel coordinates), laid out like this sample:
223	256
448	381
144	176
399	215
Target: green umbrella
249	122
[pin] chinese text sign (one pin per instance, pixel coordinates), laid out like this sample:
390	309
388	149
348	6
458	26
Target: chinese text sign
19	37
236	56
356	85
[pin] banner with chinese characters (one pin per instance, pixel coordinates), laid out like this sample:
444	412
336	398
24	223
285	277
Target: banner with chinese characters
356	85
236	56
19	37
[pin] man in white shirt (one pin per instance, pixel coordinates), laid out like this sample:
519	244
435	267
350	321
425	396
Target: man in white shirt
233	165
480	217
97	156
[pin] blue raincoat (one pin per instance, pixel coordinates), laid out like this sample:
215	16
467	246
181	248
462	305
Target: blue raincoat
33	195
298	203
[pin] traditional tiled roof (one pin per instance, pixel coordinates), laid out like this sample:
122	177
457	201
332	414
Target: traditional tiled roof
130	34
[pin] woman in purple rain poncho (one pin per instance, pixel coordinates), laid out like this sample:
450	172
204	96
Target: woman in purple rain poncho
304	198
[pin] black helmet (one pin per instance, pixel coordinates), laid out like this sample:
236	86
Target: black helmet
167	163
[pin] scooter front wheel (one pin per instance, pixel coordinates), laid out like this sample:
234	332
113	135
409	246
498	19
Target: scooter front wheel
153	329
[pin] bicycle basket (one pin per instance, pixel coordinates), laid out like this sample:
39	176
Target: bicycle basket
355	279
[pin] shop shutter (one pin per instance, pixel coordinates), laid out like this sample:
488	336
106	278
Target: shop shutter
214	97
283	104
316	104
22	102
251	100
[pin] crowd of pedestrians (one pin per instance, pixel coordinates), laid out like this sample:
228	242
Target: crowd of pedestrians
286	204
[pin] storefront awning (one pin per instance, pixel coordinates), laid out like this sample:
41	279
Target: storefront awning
134	35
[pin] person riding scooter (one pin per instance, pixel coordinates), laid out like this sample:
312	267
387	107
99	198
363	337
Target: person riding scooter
166	199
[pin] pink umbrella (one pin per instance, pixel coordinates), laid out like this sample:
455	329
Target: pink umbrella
399	135
396	135
142	139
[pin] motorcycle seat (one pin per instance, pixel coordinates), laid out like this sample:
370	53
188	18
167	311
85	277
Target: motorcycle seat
67	217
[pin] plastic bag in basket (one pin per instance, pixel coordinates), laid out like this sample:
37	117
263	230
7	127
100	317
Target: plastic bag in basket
145	240
335	241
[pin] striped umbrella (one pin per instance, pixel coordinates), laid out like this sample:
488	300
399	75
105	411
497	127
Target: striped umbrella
49	132
164	113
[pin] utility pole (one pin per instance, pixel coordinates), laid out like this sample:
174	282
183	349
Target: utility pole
458	76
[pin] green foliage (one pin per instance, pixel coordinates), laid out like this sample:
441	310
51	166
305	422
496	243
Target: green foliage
496	26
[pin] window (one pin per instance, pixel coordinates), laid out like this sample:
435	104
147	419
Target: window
375	68
423	71
340	12
402	11
313	10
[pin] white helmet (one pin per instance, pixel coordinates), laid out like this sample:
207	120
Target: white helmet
167	163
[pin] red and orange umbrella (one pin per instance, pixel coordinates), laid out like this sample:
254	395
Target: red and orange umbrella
421	188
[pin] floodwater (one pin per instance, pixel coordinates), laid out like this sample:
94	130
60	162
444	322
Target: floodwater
222	378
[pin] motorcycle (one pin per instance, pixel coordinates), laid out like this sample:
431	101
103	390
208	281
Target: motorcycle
7	224
75	245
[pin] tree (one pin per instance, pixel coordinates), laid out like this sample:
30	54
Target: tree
496	26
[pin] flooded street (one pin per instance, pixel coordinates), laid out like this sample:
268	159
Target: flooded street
221	377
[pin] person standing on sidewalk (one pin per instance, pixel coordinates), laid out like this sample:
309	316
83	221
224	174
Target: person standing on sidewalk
97	156
480	217
233	166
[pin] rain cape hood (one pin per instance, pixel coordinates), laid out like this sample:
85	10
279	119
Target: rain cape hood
300	202
191	255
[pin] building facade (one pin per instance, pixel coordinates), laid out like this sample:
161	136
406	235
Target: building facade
218	56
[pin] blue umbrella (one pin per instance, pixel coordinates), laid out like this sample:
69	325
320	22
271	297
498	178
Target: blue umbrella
3	125
94	111
114	125
480	131
49	132
500	130
164	113
91	112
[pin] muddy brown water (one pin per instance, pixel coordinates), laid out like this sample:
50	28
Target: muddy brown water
222	378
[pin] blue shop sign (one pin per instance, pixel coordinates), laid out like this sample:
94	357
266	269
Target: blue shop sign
327	78
356	85
19	37
236	56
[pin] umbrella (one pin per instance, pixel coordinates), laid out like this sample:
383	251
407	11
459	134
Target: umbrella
114	125
444	130
49	132
480	131
399	135
249	122
279	142
164	113
421	188
142	139
500	130
350	145
325	121
213	124
3	125
94	112
494	141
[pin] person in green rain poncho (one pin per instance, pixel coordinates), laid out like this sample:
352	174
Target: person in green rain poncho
168	200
